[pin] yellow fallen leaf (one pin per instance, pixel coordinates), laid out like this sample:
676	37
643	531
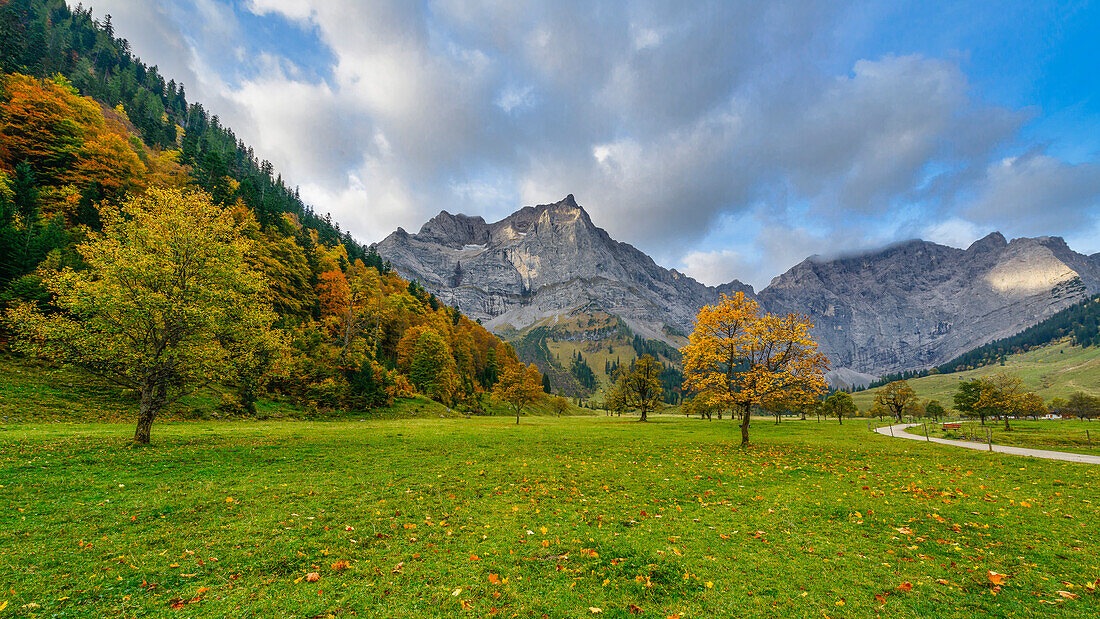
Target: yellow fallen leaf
594	610
1068	595
3	605
710	585
456	592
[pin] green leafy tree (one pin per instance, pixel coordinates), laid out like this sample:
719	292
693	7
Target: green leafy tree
840	405
1082	406
166	306
966	399
896	397
641	387
934	409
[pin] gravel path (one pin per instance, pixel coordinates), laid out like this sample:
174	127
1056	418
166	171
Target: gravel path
898	431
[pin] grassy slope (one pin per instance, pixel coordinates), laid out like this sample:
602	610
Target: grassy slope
551	516
1051	371
33	391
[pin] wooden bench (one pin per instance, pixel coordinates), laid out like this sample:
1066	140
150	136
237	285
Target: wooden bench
952	426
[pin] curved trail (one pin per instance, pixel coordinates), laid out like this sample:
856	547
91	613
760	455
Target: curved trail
898	431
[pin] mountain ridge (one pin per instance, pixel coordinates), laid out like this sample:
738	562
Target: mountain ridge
908	305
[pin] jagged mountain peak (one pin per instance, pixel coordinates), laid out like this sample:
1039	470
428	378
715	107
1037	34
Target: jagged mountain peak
991	241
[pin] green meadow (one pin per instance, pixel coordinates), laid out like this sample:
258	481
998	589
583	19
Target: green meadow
1056	370
557	517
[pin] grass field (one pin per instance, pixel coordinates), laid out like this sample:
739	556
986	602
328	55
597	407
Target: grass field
32	391
554	517
1073	435
1052	371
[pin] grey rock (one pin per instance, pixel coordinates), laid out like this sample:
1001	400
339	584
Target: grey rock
908	306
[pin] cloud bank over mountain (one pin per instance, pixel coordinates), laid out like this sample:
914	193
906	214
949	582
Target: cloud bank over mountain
725	138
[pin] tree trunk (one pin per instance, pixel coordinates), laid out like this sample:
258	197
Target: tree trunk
745	415
840	419
153	394
1006	422
517	415
643	415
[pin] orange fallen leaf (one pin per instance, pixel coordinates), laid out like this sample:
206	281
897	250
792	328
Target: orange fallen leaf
634	610
340	565
494	579
881	597
905	586
997	579
313	577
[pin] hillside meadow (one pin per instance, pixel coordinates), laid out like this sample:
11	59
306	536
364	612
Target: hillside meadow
557	517
1056	370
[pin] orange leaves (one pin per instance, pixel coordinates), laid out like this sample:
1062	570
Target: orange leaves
177	603
313	577
494	579
739	357
340	565
905	530
905	587
996	579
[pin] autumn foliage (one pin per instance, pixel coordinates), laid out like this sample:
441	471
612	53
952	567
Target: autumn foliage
741	358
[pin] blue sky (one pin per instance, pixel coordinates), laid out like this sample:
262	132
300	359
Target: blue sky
726	139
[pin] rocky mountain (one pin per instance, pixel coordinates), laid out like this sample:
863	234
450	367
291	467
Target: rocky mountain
911	305
918	304
543	262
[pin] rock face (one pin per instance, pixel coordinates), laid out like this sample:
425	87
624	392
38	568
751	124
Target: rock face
912	305
546	261
918	304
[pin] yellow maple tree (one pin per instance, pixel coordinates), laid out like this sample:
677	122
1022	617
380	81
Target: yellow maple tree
743	357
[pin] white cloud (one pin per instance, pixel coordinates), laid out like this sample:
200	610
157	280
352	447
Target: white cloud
955	232
663	118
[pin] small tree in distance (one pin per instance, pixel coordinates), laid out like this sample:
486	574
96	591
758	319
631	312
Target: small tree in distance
520	386
559	404
934	410
896	397
641	386
840	405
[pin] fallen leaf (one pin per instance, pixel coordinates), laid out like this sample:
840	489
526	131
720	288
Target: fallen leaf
494	579
905	586
594	610
456	592
881	597
341	565
997	579
1068	595
905	530
634	610
313	577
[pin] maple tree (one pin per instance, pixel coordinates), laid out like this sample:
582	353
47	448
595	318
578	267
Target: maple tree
520	386
745	358
1006	395
897	397
840	405
166	304
640	388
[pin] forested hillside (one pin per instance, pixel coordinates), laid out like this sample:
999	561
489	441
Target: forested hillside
85	126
